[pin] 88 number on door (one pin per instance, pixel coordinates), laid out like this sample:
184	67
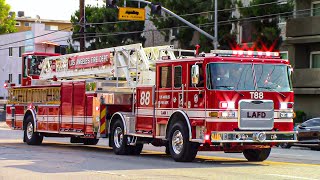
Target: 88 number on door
145	98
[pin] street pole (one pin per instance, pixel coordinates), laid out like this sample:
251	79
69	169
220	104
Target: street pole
216	24
82	25
182	20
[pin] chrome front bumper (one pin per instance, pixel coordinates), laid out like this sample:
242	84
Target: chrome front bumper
253	136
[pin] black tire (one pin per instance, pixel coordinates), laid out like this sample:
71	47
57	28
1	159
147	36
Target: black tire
93	141
119	145
31	137
286	145
167	151
76	140
135	150
256	155
188	150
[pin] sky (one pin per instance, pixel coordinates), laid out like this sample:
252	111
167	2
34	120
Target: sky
49	9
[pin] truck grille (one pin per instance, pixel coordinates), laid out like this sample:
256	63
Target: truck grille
256	115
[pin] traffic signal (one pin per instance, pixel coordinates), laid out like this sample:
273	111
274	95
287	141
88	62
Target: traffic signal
156	8
111	3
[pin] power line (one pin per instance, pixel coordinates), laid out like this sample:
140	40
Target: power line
203	25
35	37
262	4
191	14
249	19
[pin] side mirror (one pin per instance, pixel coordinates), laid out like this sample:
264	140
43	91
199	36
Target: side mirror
195	74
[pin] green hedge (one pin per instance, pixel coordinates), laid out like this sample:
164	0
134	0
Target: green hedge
301	116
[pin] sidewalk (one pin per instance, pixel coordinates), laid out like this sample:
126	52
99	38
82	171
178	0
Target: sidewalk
3	124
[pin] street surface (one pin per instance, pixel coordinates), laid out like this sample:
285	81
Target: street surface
56	158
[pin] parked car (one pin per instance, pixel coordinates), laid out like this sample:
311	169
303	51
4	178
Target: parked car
308	134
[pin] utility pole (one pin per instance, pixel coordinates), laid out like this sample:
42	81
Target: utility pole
216	24
82	26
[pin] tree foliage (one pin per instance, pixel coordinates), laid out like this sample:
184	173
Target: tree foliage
7	22
106	34
205	21
265	32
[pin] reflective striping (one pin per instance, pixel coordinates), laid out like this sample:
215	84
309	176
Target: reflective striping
146	111
103	128
221	120
103	113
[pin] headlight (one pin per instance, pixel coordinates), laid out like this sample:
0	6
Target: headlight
227	114
286	114
227	105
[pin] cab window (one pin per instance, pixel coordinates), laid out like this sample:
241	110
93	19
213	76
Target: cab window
165	77
177	76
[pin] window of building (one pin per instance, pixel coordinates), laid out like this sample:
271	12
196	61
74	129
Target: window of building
246	31
315	8
315	59
10	77
19	79
61	49
51	28
165	77
21	50
18	23
27	24
177	76
10	51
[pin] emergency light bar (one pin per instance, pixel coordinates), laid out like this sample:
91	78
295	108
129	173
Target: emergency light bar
237	53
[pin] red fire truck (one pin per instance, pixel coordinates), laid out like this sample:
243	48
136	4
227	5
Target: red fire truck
231	101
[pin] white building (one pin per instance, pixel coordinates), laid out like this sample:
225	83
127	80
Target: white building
13	45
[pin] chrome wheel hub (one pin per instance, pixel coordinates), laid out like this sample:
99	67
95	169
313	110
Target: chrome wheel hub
118	137
29	130
177	142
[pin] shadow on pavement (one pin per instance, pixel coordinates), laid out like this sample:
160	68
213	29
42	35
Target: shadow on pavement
61	157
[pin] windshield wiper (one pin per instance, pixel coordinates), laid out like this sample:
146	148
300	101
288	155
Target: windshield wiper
273	89
231	88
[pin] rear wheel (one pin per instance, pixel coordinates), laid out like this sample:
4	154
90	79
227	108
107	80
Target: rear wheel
118	139
31	137
256	154
135	150
181	149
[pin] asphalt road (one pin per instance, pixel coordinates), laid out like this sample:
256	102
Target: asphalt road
57	159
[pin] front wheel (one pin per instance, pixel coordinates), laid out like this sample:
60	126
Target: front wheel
118	139
256	154
181	149
285	145
31	137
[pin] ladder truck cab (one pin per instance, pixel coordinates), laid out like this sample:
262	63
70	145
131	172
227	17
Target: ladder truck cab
231	101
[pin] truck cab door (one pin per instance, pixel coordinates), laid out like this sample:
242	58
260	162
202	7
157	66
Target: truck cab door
195	93
178	92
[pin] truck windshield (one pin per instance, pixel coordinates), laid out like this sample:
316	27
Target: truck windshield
273	77
32	65
236	76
